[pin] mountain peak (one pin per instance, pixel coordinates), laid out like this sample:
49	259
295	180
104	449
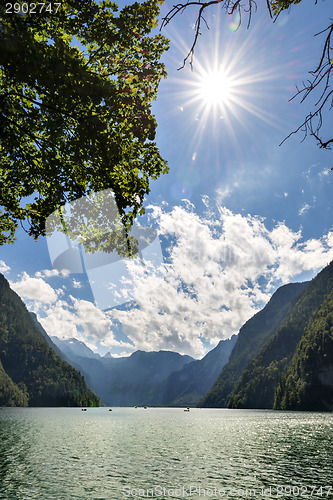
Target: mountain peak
75	347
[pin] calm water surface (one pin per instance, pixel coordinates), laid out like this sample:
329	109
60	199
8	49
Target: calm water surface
62	453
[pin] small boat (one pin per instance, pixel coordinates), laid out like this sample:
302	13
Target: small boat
145	407
110	409
186	409
84	409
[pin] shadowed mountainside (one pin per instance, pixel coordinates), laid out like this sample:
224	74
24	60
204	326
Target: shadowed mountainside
31	373
252	336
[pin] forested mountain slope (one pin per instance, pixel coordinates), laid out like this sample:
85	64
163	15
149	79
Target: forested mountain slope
252	336
308	382
257	384
30	371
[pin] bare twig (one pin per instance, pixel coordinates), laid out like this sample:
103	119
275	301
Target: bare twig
229	5
321	84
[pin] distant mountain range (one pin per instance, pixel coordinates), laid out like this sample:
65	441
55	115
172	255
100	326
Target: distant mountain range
282	358
187	386
73	348
162	378
31	373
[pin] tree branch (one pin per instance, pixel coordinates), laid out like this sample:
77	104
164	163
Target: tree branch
321	75
321	81
229	5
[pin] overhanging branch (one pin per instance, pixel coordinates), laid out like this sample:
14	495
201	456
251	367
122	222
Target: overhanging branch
230	7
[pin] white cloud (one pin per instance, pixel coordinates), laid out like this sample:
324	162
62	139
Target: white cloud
67	316
50	273
76	284
3	267
61	321
82	320
35	289
91	319
324	172
305	208
209	285
222	194
123	354
220	269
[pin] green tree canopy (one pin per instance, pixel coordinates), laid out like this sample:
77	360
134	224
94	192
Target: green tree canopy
76	88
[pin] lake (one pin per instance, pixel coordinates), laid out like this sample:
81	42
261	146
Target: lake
66	453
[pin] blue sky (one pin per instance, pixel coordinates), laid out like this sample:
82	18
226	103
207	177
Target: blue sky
237	215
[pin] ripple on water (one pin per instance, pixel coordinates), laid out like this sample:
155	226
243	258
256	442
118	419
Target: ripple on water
65	454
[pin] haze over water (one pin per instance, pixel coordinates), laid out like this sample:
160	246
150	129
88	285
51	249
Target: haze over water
61	453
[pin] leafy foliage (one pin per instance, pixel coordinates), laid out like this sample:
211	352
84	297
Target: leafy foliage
278	5
251	338
257	384
77	118
30	372
10	393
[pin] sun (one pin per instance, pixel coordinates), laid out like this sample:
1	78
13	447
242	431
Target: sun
224	89
215	88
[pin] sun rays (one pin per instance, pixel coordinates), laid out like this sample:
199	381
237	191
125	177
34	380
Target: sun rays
215	88
230	87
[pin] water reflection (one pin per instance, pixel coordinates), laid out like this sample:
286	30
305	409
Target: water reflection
68	454
18	436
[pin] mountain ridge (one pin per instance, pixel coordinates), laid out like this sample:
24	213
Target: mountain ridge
31	372
251	337
186	387
125	381
259	381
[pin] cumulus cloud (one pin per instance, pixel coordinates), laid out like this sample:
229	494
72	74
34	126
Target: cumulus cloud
209	285
50	273
220	268
82	320
64	315
76	284
61	321
35	289
3	267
